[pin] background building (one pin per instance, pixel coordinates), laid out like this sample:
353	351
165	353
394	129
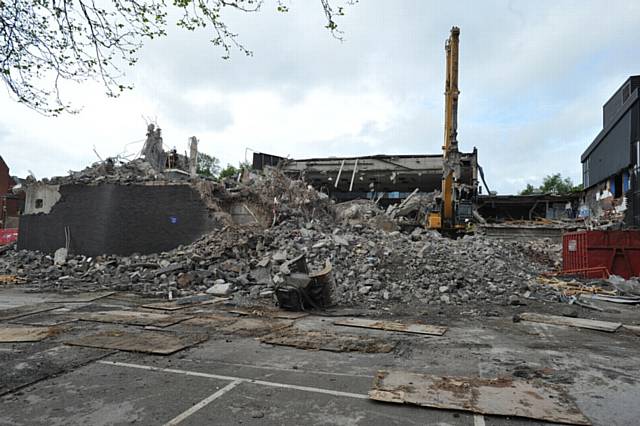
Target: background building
610	164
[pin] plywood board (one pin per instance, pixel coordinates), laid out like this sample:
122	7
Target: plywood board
132	318
327	341
177	305
15	333
271	313
89	296
571	322
248	327
152	342
434	330
501	397
45	319
21	311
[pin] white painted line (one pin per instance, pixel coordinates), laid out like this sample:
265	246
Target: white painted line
179	418
289	370
239	379
478	420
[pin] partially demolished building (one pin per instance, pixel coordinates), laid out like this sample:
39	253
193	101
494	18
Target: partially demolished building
610	164
146	205
387	178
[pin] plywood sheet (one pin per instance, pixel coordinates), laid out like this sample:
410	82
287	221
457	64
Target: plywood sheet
502	397
21	311
271	313
16	333
248	327
132	318
86	297
571	322
327	341
177	305
45	319
152	342
434	330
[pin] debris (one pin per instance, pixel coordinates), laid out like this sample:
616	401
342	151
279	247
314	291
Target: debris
571	322
630	286
222	289
152	342
501	396
614	299
302	290
11	279
393	326
12	334
326	341
60	257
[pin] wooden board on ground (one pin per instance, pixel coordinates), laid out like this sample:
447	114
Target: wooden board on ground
434	330
132	318
152	342
633	328
271	313
571	322
247	327
45	319
502	397
86	297
327	341
16	333
176	305
21	311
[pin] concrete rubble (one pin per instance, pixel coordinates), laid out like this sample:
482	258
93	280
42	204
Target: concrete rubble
374	262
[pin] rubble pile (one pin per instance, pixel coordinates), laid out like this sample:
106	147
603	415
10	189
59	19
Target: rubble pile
369	265
111	171
372	262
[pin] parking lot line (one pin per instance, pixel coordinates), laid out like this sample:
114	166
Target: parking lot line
234	379
180	417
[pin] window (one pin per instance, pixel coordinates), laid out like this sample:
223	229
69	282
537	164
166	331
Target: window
39	203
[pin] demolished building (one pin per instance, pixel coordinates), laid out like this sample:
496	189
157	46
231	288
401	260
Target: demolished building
143	206
611	162
388	178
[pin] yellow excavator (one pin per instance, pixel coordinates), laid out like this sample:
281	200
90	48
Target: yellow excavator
451	214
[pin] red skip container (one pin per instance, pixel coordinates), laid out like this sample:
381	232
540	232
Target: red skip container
8	236
587	251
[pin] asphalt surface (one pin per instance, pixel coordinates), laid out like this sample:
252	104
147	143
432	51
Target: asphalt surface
235	379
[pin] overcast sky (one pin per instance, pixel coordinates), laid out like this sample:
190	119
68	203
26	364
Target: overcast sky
533	78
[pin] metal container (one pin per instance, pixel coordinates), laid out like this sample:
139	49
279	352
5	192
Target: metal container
585	251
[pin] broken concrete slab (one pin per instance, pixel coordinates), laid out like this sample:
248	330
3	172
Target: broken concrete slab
220	289
17	333
571	322
327	341
416	328
502	396
133	318
151	342
21	311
